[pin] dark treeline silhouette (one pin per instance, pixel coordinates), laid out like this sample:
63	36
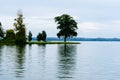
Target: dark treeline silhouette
42	36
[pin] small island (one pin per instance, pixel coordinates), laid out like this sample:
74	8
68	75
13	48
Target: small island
65	23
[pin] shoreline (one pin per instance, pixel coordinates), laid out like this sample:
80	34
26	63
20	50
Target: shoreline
36	42
33	42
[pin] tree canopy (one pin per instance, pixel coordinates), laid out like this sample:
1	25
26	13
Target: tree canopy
10	35
67	26
44	35
29	36
20	29
1	31
39	37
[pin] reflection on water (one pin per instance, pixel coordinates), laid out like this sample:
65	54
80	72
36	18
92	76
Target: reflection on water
41	55
41	48
35	62
87	61
67	61
20	60
11	61
1	50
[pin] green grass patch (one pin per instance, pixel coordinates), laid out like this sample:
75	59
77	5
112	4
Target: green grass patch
2	42
53	43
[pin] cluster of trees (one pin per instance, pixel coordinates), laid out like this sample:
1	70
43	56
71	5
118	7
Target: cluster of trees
65	23
16	35
40	37
20	29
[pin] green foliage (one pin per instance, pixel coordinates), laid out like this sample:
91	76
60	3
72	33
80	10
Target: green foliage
67	26
20	30
1	31
39	37
9	38
20	40
44	35
10	35
30	36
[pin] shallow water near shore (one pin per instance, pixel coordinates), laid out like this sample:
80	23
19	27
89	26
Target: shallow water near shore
85	61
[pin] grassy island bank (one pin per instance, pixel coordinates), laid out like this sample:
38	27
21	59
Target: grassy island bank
53	43
37	42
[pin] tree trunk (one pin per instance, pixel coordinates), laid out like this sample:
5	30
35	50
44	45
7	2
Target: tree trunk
65	38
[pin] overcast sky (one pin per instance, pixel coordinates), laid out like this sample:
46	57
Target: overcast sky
95	18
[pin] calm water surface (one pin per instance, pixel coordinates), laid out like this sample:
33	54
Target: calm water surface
86	61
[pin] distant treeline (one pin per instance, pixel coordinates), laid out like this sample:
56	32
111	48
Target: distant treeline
79	39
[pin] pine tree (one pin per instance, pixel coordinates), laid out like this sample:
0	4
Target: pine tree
30	36
44	35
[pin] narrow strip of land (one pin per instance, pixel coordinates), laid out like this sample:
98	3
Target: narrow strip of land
53	43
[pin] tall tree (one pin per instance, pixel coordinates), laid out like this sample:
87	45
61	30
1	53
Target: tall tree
1	31
20	29
67	26
30	36
39	37
44	35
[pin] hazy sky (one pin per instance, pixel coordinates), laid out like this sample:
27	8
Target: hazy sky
95	18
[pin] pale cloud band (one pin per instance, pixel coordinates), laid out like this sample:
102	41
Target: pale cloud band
95	18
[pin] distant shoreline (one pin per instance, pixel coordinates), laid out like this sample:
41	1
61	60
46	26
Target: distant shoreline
80	39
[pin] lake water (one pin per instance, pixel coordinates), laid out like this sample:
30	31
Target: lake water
85	61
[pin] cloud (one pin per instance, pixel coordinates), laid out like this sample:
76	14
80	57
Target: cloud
115	21
7	22
89	26
99	29
95	18
38	23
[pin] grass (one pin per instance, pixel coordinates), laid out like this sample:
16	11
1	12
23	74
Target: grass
36	42
52	42
2	42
